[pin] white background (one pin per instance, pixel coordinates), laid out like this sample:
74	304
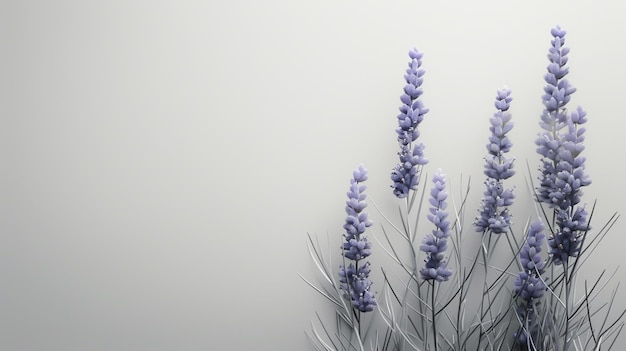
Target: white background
163	161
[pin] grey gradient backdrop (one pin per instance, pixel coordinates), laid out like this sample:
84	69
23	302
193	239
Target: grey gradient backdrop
162	161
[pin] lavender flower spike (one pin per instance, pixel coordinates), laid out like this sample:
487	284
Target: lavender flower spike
560	145
529	286
494	212
571	219
354	279
554	118
405	175
435	243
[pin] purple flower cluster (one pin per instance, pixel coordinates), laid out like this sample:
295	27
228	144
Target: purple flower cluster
354	279
435	243
529	285
494	213
560	145
405	175
356	286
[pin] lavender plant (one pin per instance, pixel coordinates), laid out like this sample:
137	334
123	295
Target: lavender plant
562	178
532	308
352	295
566	319
494	216
406	177
422	285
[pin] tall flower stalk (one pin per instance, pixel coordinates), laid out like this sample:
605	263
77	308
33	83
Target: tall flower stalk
494	216
562	178
560	145
406	177
435	244
354	278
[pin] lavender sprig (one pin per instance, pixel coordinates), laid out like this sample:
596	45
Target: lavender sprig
405	175
354	279
494	212
435	243
529	285
560	145
558	93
